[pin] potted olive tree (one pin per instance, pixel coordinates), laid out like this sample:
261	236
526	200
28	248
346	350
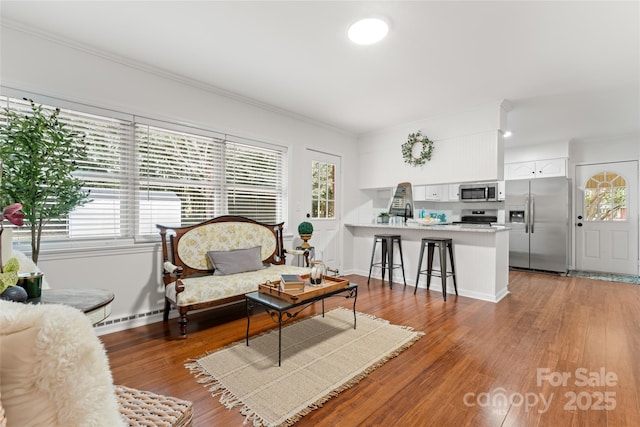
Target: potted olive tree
39	155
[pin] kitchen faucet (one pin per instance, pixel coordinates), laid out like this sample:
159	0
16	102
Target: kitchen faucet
406	214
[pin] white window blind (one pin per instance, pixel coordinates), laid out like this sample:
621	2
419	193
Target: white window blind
141	172
254	182
180	178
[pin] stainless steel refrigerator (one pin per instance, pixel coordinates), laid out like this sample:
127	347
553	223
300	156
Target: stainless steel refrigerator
537	211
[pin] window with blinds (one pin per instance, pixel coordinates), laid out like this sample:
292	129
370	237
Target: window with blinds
180	179
141	172
106	172
254	184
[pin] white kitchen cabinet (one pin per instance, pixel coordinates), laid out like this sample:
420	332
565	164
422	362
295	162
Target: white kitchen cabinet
552	167
454	192
427	193
433	192
520	170
536	169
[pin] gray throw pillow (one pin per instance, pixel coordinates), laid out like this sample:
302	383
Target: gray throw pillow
236	260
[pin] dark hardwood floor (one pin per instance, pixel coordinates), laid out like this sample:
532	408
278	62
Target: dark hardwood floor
475	356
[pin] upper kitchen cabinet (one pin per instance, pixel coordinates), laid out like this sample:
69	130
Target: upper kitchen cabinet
454	192
436	193
429	193
535	169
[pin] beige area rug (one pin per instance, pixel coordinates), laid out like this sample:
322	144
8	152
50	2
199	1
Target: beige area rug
320	358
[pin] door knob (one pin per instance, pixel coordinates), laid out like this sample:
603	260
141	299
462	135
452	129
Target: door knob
579	216
579	224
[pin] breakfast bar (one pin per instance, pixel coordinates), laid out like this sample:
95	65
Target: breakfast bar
481	255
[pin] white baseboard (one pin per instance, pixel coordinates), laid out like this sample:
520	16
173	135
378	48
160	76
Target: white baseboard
127	322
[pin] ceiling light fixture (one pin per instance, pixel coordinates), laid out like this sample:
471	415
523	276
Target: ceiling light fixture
368	31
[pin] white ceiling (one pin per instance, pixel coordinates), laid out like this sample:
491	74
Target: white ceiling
570	69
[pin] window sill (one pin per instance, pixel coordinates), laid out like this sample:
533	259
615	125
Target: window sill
60	252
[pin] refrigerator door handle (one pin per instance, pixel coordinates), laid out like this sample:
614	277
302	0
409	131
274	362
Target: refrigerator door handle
526	215
533	213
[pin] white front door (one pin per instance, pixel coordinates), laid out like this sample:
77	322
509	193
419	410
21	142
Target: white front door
321	205
607	217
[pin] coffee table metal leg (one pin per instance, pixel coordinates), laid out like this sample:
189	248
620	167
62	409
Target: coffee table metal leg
248	320
279	338
355	298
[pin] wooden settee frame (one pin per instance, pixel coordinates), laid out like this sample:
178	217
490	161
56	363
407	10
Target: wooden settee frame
175	269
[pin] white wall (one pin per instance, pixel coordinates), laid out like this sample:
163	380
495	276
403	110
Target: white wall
469	140
527	153
604	150
40	65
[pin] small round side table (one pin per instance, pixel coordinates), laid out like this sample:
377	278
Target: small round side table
95	303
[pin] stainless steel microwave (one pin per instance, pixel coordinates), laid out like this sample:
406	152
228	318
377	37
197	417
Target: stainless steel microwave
483	192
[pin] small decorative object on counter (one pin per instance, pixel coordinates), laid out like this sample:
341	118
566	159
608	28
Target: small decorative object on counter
305	230
318	270
383	218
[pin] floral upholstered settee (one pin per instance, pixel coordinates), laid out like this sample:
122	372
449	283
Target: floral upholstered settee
218	261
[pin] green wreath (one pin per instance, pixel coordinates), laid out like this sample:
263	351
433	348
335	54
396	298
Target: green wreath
425	153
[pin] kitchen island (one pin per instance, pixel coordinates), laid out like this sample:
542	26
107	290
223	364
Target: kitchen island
481	256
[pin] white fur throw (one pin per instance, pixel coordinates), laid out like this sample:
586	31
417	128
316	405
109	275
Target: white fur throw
54	370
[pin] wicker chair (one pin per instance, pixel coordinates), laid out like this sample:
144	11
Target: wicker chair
144	408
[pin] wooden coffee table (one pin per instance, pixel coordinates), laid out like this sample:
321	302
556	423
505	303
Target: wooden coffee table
282	310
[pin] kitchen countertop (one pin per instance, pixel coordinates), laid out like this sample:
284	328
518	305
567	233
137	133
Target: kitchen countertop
474	228
481	255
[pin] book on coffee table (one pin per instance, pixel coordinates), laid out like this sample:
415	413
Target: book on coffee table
291	282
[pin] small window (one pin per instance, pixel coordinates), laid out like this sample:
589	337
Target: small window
605	197
323	181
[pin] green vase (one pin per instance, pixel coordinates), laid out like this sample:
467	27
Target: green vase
32	283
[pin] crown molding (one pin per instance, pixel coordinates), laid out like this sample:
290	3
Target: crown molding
160	72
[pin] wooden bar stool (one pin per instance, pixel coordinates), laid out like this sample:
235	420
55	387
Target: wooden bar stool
442	243
388	241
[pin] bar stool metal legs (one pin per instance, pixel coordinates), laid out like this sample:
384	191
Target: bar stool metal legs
387	241
443	244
